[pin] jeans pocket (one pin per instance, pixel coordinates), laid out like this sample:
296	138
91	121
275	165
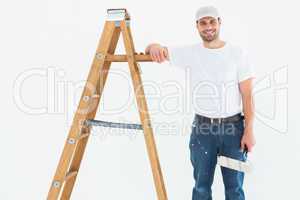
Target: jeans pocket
239	127
193	138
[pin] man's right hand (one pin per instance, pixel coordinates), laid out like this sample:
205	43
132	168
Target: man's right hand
157	52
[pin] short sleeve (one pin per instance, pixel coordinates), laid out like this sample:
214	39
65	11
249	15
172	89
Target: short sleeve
245	69
179	56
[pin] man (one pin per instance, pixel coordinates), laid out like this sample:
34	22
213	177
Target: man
221	77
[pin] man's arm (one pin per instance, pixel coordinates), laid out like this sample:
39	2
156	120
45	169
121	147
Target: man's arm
157	52
248	140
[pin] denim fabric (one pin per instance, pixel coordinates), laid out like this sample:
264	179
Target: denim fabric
207	141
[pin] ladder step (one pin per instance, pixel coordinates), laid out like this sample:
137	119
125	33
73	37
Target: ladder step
123	58
92	122
92	97
84	135
70	175
57	183
95	96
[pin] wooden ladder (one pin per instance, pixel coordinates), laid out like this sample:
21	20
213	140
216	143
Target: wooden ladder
68	167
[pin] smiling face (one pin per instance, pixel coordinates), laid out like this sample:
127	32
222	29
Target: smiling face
209	28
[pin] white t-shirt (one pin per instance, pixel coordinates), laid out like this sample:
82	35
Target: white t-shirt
214	77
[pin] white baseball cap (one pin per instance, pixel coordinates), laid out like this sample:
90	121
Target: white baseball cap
207	11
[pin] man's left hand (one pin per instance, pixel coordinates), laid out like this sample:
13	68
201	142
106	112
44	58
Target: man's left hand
248	140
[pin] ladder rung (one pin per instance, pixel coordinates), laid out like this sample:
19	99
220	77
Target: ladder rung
123	58
84	135
71	175
88	98
92	122
95	96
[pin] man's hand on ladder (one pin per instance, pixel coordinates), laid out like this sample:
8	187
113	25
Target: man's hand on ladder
157	52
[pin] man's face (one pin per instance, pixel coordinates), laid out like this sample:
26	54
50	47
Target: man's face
209	28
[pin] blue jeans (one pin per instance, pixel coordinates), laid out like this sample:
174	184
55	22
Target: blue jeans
207	141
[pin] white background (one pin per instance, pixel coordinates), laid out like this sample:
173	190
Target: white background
57	39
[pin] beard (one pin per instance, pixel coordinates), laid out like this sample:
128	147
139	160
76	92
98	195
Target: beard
209	37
